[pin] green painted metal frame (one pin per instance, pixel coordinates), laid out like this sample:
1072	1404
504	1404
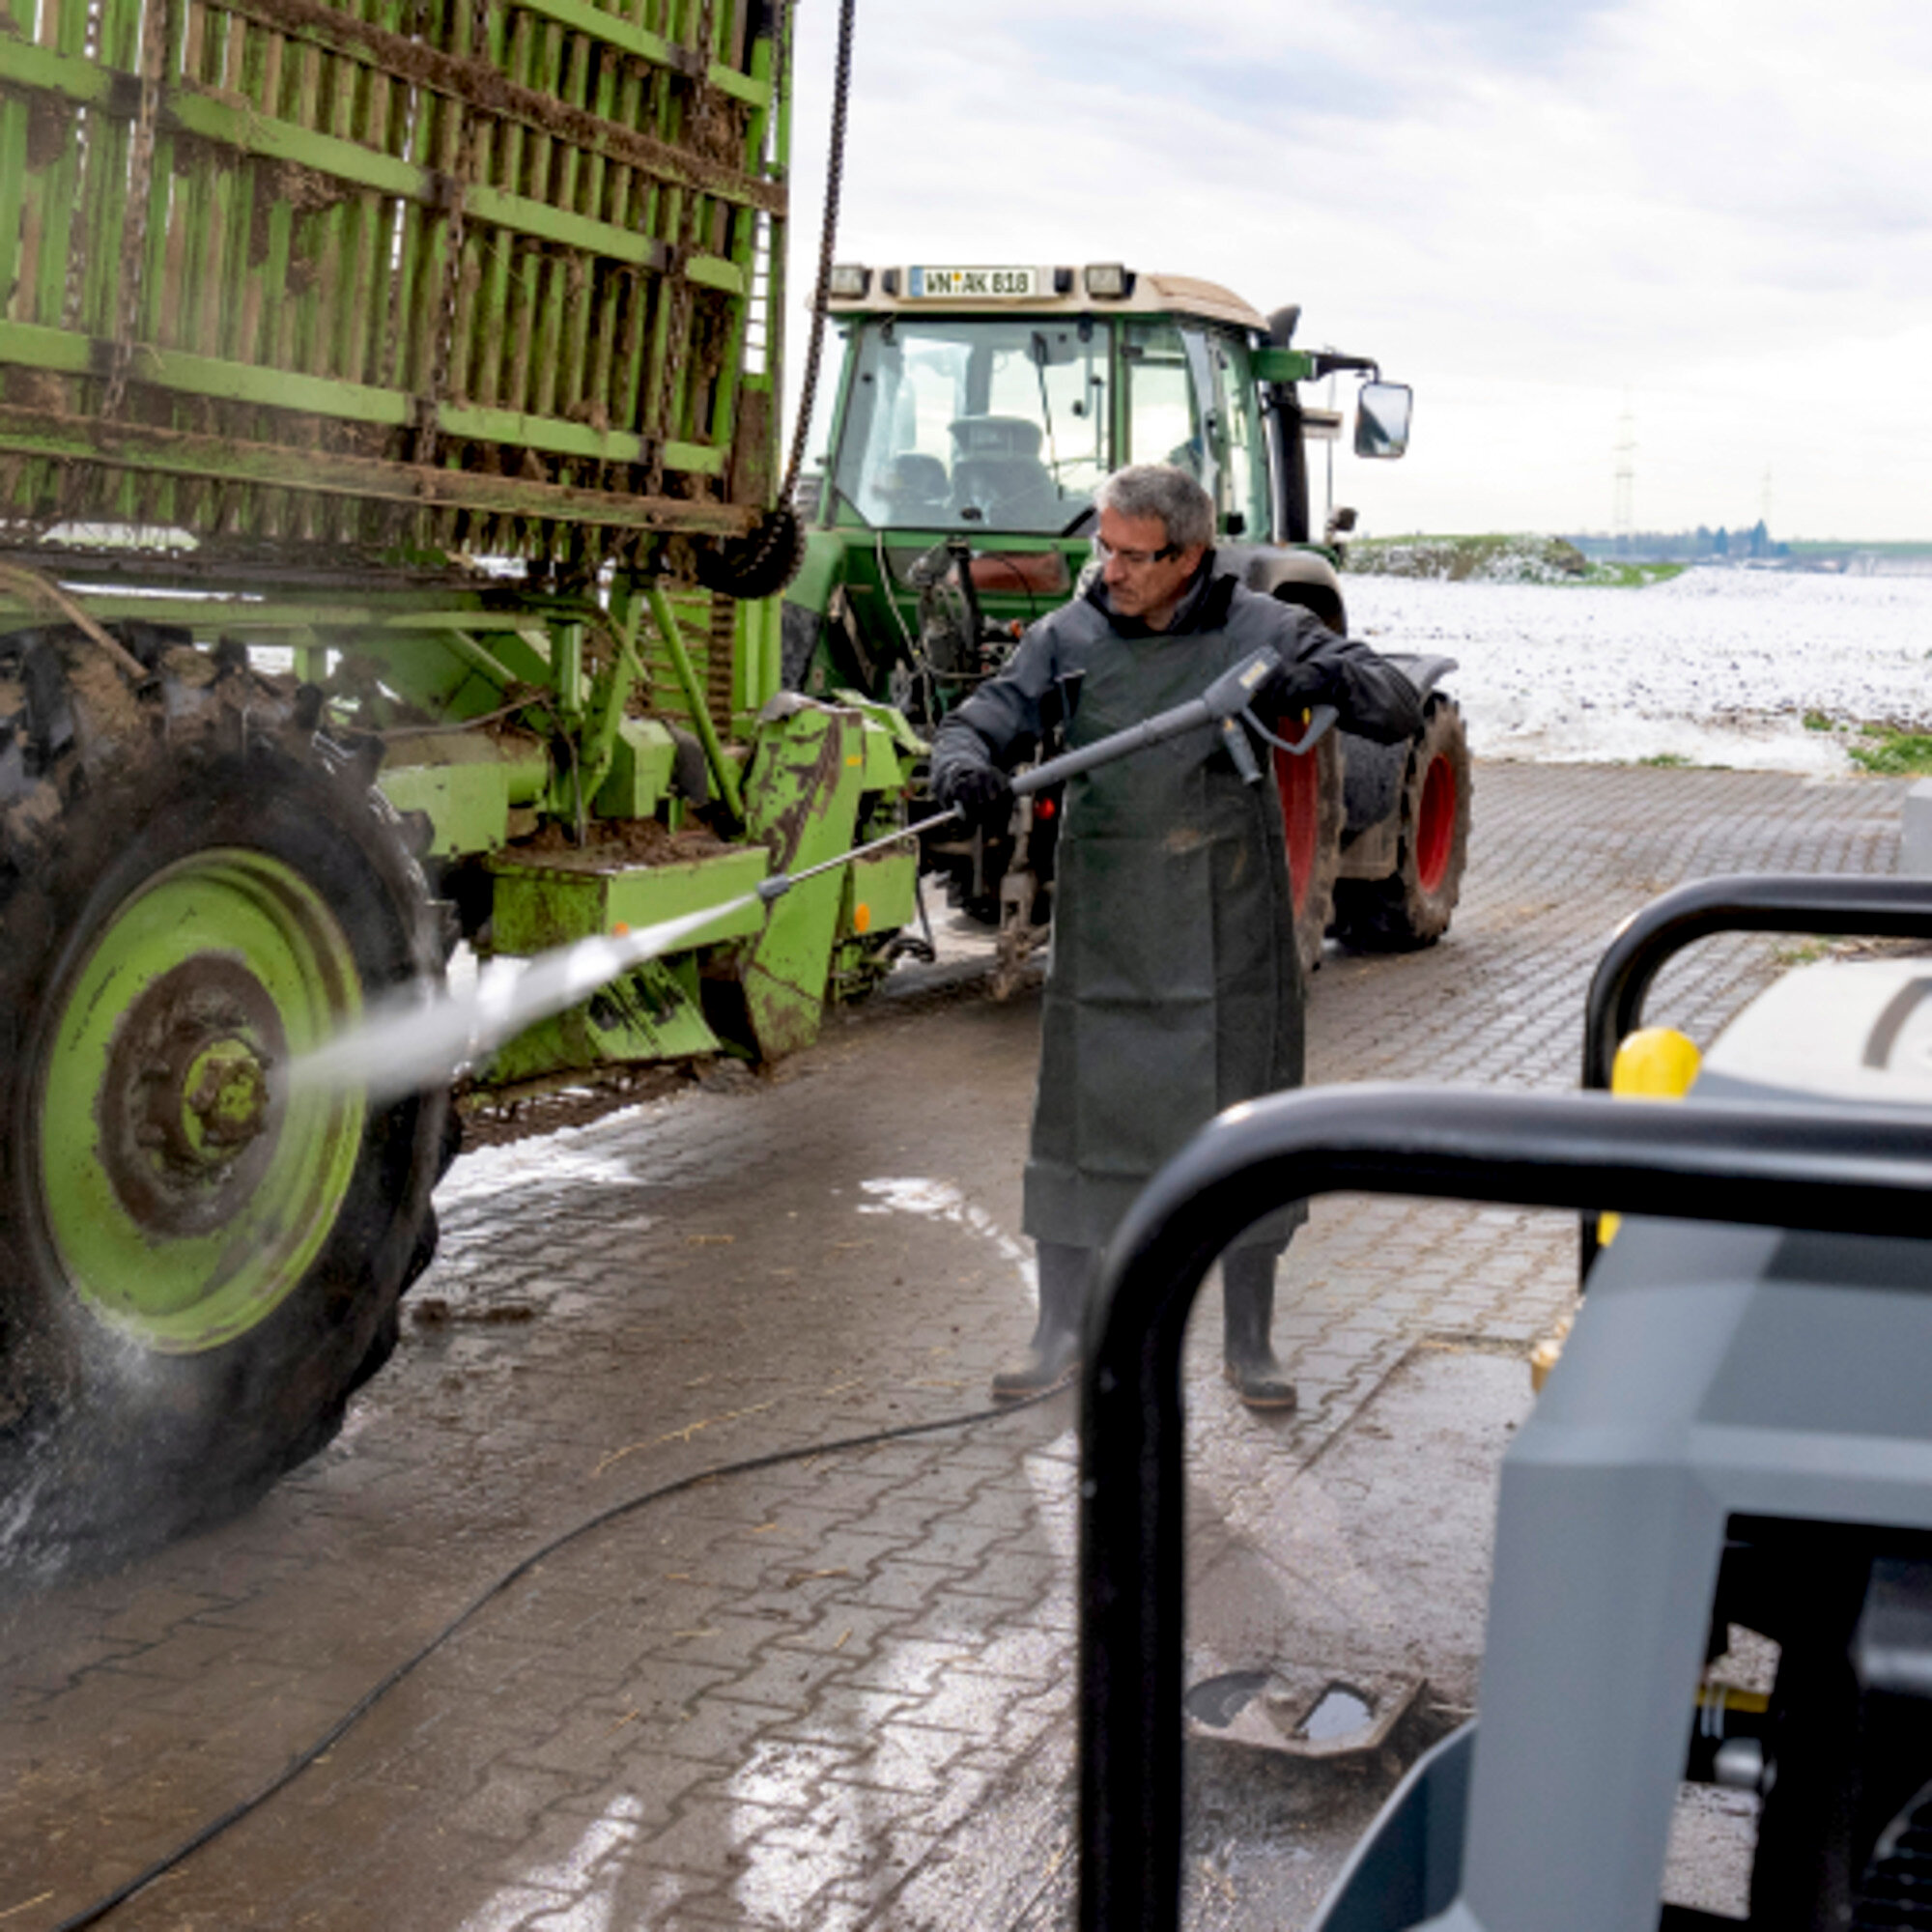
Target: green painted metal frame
724	774
344	294
564	897
804	791
491	294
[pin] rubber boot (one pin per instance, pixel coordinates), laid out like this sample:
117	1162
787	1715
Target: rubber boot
1247	1305
1053	1355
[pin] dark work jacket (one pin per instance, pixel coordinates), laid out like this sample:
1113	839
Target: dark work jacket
1174	985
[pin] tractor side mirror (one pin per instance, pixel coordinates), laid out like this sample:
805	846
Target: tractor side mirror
1382	419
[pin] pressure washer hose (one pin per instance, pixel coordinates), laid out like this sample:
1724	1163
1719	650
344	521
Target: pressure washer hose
94	1914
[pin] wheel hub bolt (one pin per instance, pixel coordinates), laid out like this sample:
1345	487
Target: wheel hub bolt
224	1099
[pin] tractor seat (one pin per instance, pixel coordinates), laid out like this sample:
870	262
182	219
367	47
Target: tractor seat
997	468
914	484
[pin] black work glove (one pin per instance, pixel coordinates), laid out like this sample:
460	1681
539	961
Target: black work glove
1295	686
981	794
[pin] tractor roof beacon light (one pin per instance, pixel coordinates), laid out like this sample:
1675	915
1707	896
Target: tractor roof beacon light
849	281
1109	281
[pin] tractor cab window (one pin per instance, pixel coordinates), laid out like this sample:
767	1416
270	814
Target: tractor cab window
1163	407
996	422
1192	401
818	433
1244	491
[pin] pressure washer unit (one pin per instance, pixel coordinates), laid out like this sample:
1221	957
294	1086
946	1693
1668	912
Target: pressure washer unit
1738	1435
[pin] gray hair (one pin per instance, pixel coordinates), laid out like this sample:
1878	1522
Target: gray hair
1162	490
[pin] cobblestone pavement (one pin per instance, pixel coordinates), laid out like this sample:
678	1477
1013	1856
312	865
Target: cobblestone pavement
834	1693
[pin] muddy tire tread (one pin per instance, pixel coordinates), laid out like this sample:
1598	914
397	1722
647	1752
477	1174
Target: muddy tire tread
1397	914
120	779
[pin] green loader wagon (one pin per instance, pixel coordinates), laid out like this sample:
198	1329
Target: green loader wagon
388	529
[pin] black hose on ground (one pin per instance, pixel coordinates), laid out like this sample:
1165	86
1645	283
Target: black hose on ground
94	1914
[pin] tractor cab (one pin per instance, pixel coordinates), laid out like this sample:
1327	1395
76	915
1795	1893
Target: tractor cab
992	400
948	497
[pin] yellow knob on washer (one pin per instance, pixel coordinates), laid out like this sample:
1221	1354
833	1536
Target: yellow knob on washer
1652	1063
1655	1064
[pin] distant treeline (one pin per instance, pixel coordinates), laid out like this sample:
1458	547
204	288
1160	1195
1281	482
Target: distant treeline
1755	544
1703	545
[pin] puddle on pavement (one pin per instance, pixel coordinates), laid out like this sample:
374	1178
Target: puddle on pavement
1338	1711
1218	1701
593	1868
1341	1711
507	1176
941	1200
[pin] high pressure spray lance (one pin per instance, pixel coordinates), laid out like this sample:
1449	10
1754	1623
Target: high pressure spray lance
413	1042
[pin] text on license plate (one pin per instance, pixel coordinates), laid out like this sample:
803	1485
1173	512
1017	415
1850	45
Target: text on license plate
983	283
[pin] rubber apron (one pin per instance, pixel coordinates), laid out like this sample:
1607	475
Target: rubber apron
1174	985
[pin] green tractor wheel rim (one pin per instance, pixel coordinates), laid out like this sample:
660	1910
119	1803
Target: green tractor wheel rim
183	1191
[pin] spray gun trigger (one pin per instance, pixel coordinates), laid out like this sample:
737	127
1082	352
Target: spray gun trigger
1239	750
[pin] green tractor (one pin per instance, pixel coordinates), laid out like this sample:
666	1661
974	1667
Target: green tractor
387	496
948	504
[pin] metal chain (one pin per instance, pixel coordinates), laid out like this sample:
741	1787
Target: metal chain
86	127
454	232
834	171
156	26
677	289
779	529
677	294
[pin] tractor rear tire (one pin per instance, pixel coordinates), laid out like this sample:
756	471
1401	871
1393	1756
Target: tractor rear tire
1413	906
197	1266
1313	811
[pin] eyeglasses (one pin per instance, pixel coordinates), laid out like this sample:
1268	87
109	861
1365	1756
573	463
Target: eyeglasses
1134	559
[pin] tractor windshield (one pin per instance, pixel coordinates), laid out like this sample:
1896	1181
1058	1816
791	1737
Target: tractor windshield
994	422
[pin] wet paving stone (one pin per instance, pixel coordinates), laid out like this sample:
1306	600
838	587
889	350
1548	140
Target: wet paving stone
836	1692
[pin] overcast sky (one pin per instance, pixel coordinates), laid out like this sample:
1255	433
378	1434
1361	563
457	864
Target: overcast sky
1717	213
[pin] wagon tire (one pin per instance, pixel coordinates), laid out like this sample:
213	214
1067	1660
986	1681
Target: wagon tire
197	1266
1413	905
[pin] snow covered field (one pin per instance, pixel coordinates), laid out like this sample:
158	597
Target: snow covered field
1716	666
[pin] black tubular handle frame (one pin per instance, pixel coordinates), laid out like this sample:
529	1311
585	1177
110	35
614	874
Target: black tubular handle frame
1842	1170
1839	903
1843	905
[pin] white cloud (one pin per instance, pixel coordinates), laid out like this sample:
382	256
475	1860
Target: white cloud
1526	210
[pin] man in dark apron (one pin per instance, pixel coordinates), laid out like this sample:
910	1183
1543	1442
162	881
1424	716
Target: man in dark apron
1175	987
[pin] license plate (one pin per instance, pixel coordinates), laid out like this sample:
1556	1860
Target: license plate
972	284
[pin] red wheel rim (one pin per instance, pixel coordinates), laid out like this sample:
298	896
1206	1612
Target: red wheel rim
1300	785
1435	824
